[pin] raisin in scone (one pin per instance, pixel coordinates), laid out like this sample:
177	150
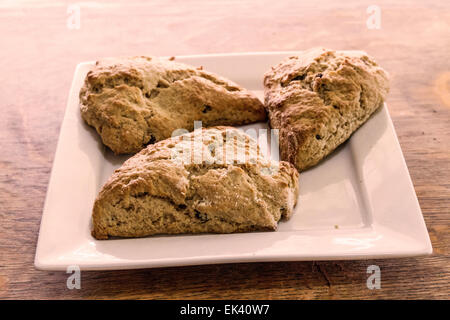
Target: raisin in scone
134	101
319	98
212	180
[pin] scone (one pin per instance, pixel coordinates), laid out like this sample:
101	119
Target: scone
319	98
134	101
212	180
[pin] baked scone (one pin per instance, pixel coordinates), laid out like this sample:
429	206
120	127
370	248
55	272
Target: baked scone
219	183
134	101
319	98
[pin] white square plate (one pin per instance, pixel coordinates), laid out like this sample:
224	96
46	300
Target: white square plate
358	203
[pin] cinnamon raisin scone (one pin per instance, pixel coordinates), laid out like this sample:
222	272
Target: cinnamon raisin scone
134	101
319	98
212	180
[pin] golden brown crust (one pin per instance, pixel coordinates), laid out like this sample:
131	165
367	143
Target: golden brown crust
319	98
134	101
158	191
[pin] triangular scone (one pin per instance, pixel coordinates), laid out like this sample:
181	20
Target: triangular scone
218	183
134	101
319	98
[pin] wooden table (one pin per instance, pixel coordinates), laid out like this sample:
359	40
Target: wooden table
38	56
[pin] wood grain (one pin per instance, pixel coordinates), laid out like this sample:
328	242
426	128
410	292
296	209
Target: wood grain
39	54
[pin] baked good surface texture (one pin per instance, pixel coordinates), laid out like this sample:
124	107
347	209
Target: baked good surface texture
134	101
212	180
319	98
